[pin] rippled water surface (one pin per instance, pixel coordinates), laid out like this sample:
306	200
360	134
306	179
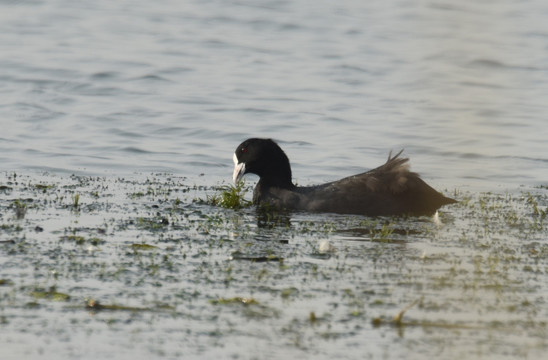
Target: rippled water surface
137	107
138	86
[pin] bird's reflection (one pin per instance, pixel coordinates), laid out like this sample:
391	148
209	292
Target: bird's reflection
269	218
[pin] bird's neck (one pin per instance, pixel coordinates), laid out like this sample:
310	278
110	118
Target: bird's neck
282	182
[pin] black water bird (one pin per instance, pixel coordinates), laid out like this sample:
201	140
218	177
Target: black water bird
390	189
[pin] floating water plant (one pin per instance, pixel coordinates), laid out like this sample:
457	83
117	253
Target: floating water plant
230	197
80	240
92	304
50	294
75	200
234	300
20	209
4	282
143	247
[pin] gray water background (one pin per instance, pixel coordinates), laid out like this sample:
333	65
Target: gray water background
173	86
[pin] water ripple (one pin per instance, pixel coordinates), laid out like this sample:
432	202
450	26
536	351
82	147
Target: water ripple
178	87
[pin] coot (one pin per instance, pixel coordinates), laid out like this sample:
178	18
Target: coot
390	189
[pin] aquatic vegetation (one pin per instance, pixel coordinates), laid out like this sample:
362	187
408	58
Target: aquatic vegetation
44	187
144	253
237	255
143	247
20	207
75	200
94	305
234	300
153	224
230	197
50	294
5	282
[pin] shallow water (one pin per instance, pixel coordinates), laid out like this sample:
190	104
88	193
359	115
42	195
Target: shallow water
176	277
150	100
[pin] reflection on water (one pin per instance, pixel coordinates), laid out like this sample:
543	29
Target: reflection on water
269	218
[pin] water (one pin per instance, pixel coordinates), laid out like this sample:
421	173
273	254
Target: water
129	89
170	86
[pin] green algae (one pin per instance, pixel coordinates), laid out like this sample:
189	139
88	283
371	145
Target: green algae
145	247
50	294
5	282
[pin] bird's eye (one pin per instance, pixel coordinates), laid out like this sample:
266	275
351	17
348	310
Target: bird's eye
244	150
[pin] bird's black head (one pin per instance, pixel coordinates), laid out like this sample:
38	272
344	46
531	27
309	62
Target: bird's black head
262	157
